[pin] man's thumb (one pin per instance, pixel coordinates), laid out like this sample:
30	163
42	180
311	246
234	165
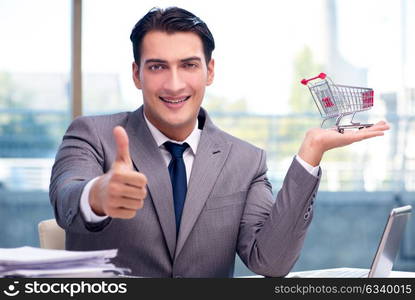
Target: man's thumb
121	140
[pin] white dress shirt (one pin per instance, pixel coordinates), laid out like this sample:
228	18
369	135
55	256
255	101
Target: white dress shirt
188	157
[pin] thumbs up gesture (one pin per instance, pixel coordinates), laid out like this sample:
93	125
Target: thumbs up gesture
121	191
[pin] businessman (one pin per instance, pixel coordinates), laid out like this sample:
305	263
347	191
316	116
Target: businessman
174	194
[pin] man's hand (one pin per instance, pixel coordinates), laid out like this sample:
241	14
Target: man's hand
317	140
120	192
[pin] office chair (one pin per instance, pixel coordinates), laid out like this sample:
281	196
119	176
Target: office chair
51	236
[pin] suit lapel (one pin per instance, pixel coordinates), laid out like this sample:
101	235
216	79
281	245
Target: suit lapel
147	159
210	158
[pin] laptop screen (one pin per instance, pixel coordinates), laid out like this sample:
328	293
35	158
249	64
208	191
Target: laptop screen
389	244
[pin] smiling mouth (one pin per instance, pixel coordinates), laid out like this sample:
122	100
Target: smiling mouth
175	101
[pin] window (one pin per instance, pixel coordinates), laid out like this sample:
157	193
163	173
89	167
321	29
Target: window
34	111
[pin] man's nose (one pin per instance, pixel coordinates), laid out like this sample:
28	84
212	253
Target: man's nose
174	82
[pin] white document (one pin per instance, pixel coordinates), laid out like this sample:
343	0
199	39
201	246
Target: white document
36	262
66	272
32	255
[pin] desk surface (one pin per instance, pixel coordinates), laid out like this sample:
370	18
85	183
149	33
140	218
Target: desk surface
313	273
401	274
393	274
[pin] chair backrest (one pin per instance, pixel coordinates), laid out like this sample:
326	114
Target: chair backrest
51	236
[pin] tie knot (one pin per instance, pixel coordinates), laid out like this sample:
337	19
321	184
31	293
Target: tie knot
176	150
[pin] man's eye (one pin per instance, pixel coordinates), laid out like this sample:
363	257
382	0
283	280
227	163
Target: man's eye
190	66
156	67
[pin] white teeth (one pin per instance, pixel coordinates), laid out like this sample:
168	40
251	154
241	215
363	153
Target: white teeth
174	101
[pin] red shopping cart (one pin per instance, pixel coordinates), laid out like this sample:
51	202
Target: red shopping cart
338	101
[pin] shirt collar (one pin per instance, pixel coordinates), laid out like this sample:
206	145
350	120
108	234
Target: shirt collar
192	140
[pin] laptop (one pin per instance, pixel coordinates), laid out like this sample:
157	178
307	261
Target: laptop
385	255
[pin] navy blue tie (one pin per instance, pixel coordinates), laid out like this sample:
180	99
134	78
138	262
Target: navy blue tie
177	171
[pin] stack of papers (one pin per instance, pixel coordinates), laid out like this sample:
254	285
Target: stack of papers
36	262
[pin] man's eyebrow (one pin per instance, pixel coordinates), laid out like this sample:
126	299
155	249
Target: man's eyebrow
191	58
162	61
155	60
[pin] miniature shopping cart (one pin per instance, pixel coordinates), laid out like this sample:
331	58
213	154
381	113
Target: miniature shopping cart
338	101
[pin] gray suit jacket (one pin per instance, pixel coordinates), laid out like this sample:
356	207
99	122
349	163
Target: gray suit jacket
229	206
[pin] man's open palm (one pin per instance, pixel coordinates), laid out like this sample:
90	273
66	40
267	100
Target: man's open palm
318	140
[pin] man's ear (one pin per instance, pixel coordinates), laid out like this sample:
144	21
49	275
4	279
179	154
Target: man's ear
211	71
136	75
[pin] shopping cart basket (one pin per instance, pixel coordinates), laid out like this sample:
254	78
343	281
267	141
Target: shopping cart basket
337	101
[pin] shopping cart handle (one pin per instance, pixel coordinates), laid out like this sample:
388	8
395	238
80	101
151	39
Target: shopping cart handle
321	76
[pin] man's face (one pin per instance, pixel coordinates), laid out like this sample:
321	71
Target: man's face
172	75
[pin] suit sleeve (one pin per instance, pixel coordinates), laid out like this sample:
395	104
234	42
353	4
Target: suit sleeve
79	159
272	232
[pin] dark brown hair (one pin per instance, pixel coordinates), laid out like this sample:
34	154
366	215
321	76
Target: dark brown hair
170	20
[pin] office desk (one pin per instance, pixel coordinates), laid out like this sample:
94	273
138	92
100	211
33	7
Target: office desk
394	274
309	274
402	274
